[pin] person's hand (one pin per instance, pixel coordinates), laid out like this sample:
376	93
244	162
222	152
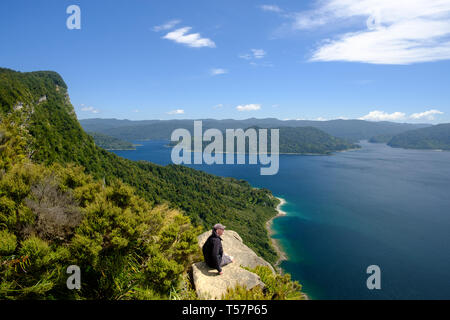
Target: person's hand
221	272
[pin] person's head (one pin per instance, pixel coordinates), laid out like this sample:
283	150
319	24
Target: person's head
219	228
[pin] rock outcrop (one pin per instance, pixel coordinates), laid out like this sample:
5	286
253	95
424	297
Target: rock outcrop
210	285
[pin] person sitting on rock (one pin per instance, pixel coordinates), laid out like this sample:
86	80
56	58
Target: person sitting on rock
213	251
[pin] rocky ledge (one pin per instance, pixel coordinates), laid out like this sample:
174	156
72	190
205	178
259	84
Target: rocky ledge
210	285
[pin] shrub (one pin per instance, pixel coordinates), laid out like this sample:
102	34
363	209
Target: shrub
277	287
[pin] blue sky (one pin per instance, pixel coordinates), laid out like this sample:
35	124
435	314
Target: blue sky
141	59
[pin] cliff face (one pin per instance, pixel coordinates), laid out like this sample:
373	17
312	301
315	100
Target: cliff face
210	285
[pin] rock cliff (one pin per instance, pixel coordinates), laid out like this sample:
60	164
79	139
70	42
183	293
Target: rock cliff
210	285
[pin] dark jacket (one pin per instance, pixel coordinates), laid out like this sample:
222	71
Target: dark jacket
213	251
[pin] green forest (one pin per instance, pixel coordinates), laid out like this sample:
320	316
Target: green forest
131	225
436	137
310	140
294	140
110	143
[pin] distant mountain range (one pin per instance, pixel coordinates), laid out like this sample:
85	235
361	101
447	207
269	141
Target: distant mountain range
352	130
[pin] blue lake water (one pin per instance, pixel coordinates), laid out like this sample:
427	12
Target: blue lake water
375	206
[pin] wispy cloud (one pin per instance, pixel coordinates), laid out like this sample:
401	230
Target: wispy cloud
378	115
177	111
254	54
166	26
194	40
428	115
217	71
271	7
395	32
248	107
258	53
218	106
89	109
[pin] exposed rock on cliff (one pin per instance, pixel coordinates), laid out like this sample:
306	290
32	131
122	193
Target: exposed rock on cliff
210	285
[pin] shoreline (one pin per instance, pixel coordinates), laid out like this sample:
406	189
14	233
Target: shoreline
282	256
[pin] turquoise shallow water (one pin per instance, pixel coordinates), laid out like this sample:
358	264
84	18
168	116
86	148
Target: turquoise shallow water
378	205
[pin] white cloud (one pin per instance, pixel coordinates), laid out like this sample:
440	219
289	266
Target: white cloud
166	26
428	115
218	71
377	115
136	110
89	109
248	107
258	53
177	111
218	106
271	7
395	32
192	40
255	54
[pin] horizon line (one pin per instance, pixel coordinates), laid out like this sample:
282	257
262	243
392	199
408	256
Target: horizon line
268	118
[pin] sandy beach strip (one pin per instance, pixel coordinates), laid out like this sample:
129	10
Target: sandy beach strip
275	243
282	256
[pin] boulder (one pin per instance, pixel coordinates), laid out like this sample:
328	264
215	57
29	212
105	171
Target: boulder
210	285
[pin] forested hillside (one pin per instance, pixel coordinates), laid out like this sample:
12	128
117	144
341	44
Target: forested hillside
110	143
435	137
296	140
310	140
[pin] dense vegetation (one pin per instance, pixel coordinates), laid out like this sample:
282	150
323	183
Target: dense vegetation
55	216
131	226
309	140
435	137
278	287
384	138
353	130
110	143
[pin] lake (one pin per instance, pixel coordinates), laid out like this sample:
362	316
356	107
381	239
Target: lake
374	206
